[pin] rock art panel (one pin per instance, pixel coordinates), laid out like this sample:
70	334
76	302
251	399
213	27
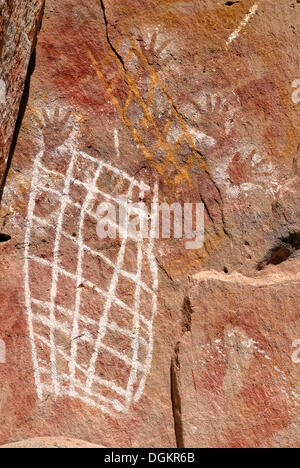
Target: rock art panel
77	337
127	342
220	106
84	318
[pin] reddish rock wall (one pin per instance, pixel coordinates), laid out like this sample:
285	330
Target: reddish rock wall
19	24
148	344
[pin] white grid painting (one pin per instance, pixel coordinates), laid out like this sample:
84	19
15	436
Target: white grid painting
90	314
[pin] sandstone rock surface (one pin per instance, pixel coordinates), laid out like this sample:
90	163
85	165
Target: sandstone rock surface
51	442
19	24
141	343
233	366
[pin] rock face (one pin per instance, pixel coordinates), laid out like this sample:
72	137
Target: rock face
130	341
233	367
51	442
19	23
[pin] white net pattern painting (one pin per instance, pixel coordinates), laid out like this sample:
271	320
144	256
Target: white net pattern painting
91	313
